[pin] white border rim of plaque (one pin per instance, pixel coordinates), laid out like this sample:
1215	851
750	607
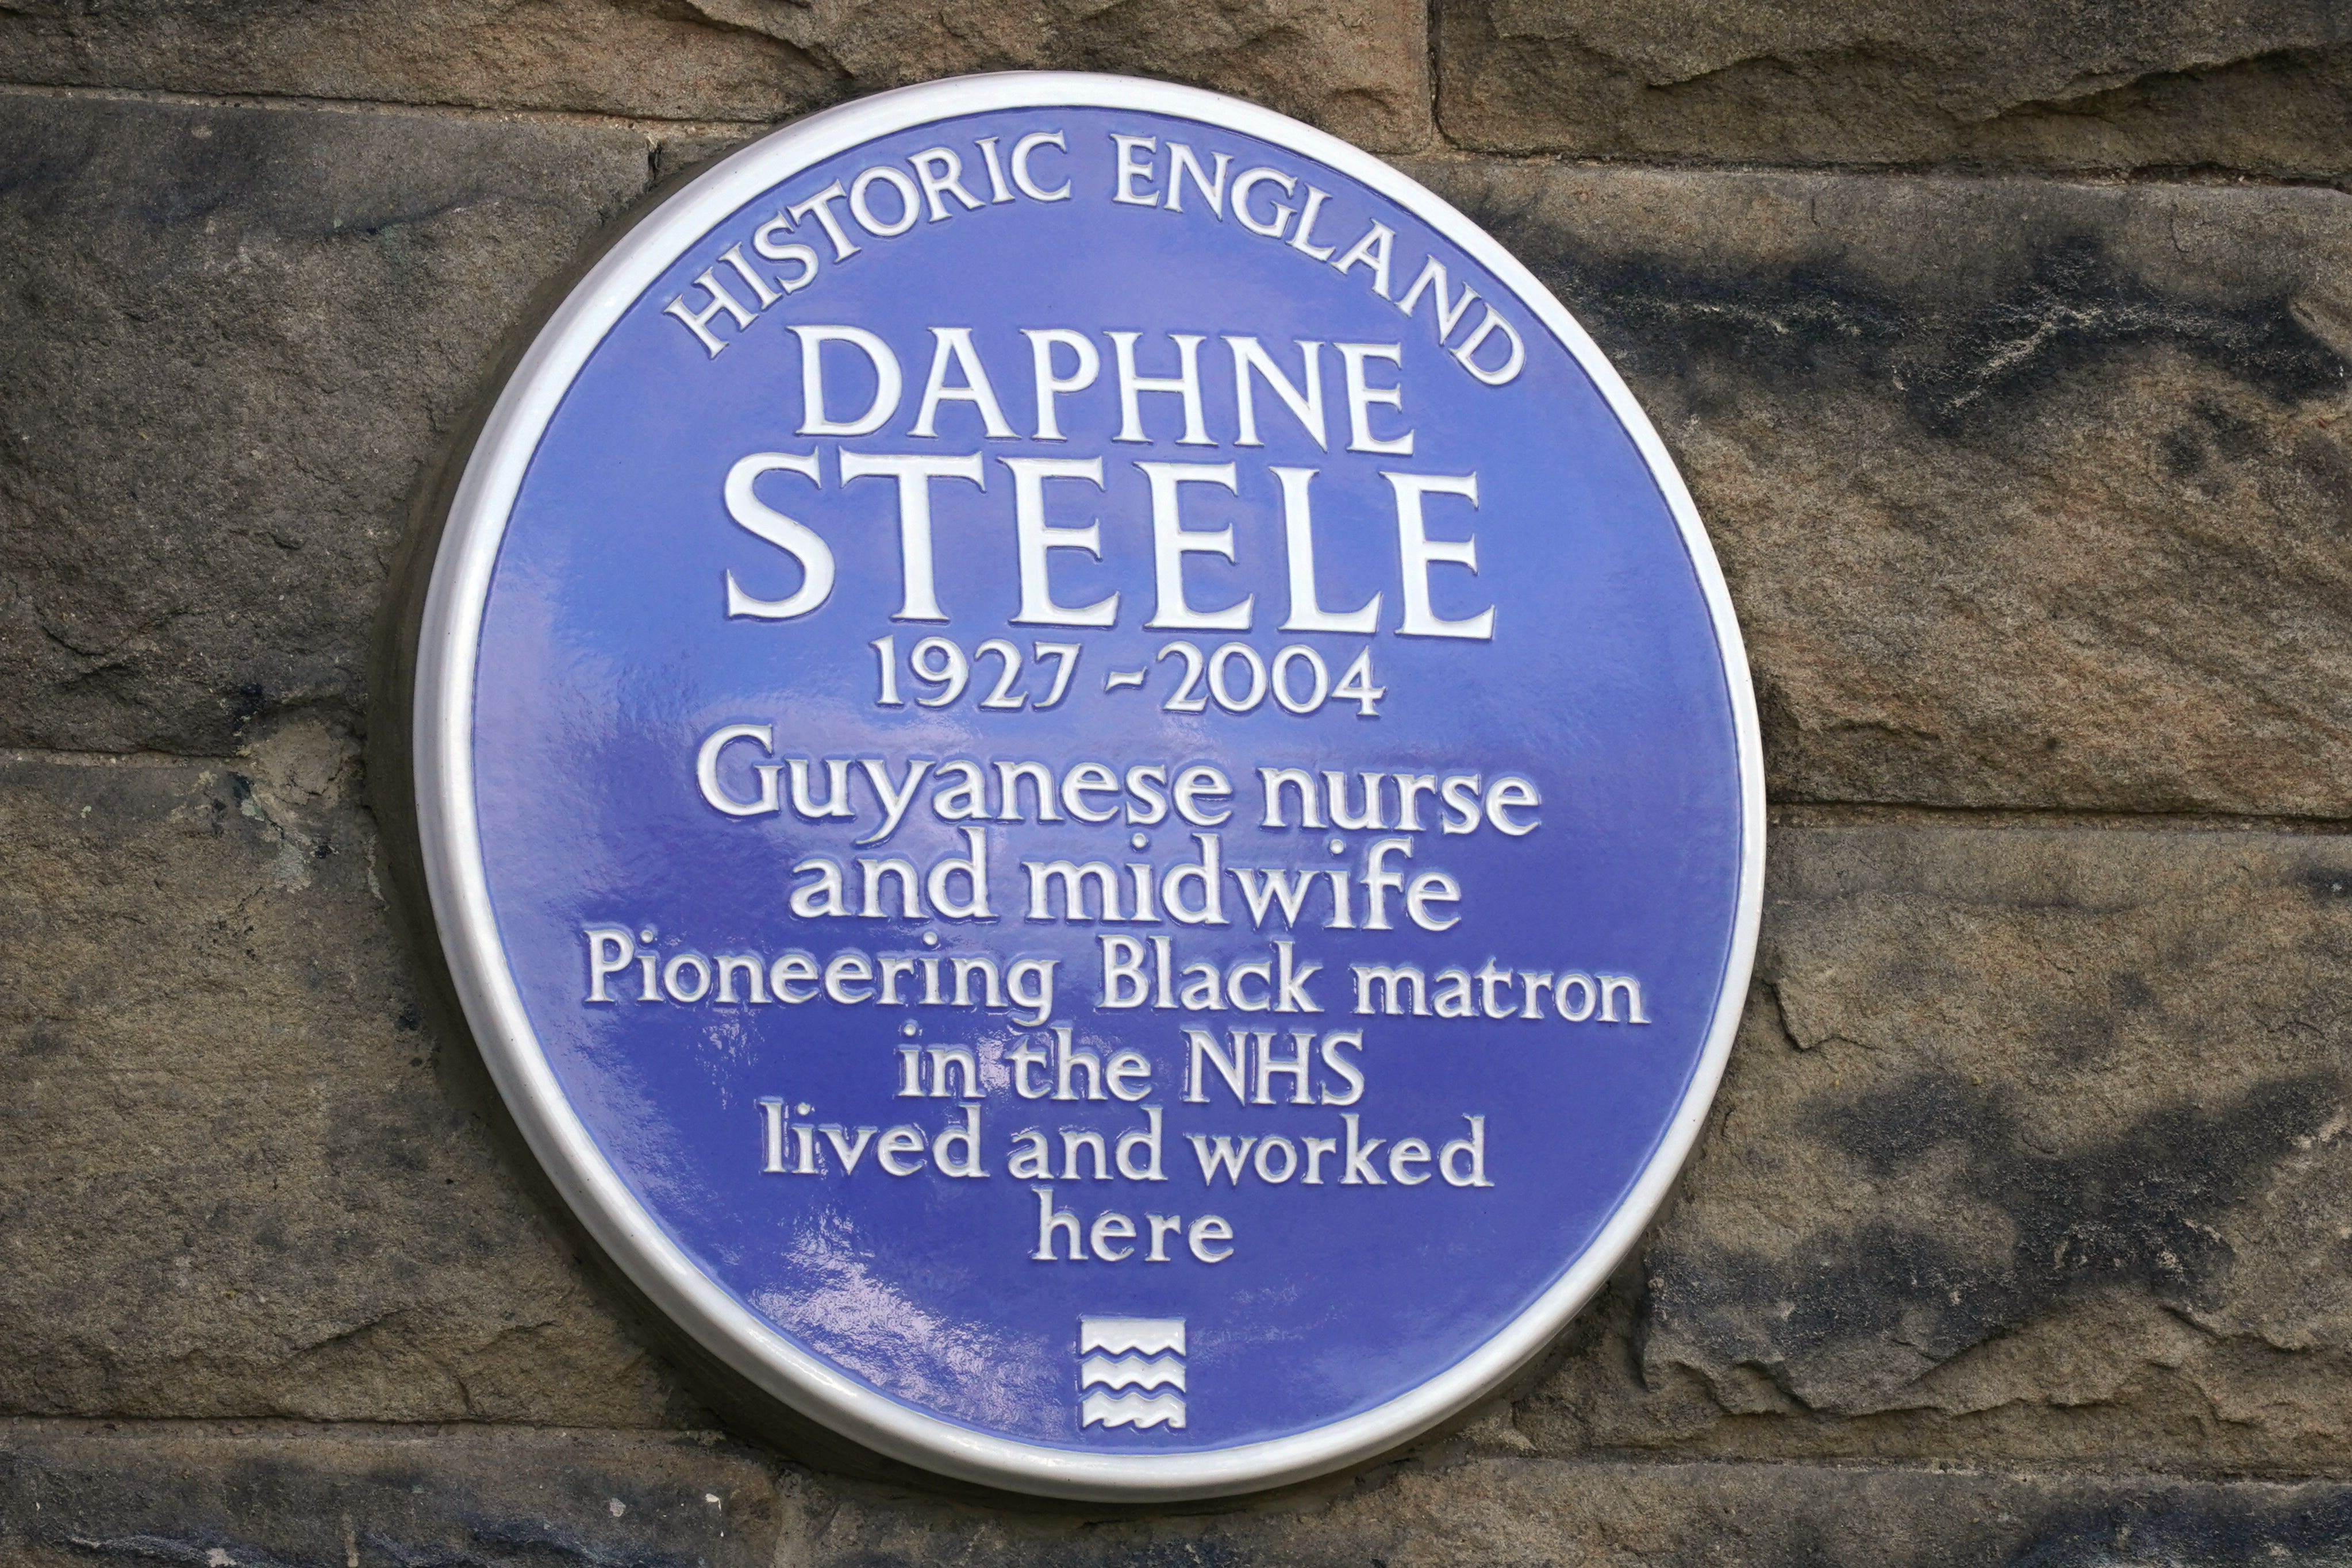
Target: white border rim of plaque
447	829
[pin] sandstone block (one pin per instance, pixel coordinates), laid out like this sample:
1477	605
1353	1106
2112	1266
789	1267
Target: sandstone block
1531	1513
285	1494
279	1494
2179	84
2029	494
1357	68
2034	1147
235	337
242	1177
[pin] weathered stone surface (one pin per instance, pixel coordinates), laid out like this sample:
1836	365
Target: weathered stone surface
234	338
1522	1513
2034	1146
2034	1152
1357	68
2264	89
280	1495
2029	494
241	1178
2033	1149
366	1498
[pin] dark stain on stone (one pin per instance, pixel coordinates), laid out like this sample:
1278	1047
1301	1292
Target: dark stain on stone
384	225
37	171
1660	319
2078	306
251	698
2327	884
2234	436
197	1549
410	1018
222	163
2183	447
2194	1525
2140	1209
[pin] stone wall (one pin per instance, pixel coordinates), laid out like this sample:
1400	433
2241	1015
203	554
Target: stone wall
2004	346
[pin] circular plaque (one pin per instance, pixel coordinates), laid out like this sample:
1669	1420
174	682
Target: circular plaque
1090	785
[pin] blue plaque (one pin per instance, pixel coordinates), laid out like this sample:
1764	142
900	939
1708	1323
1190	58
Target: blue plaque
1090	785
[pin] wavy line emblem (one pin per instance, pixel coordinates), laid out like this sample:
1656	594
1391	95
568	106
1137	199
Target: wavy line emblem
1131	1373
1100	1409
1150	1336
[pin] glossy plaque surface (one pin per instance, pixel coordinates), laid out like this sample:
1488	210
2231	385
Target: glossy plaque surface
1090	785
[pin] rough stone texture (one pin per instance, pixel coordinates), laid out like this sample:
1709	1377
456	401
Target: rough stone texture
375	1498
1356	68
2033	1149
2029	494
2056	84
241	1178
235	338
2034	1145
1518	1513
280	1496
